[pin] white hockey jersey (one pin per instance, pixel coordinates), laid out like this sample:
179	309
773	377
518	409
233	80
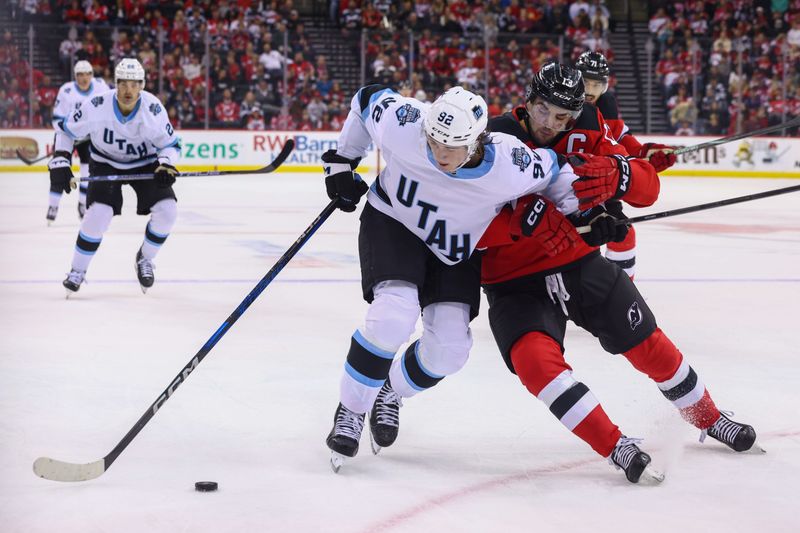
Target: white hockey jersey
70	97
124	142
449	212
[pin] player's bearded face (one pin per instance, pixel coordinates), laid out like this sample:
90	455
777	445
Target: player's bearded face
594	89
83	79
548	120
128	92
449	158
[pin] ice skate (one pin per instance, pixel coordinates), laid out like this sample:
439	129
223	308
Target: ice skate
52	212
144	271
738	437
73	282
636	463
81	210
344	436
384	419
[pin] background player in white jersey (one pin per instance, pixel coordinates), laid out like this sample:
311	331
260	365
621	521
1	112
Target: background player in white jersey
445	180
70	97
129	133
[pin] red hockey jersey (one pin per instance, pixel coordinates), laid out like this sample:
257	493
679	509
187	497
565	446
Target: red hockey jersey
506	259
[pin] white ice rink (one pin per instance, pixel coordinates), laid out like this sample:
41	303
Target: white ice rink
475	454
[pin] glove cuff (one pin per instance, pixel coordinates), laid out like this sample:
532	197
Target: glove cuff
625	171
332	157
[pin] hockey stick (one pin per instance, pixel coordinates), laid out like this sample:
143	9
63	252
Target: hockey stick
284	153
31	161
716	142
56	470
701	207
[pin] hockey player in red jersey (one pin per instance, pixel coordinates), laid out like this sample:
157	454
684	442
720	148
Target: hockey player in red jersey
532	295
594	67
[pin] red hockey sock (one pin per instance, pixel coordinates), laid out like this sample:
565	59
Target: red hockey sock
663	363
541	367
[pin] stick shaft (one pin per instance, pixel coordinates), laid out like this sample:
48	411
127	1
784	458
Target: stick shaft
744	135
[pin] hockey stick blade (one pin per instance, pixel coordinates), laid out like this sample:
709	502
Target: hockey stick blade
278	161
701	207
56	470
30	161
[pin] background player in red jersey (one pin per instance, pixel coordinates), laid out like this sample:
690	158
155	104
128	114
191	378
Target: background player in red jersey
595	70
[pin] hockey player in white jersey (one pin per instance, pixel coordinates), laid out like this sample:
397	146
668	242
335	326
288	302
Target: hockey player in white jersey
129	133
69	99
445	180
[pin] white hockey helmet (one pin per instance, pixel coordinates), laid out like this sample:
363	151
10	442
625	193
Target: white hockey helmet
82	67
457	118
129	69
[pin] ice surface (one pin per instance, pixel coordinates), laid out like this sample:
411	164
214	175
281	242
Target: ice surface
475	454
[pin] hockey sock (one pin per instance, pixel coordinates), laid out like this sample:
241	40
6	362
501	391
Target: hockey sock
442	350
162	217
53	199
365	371
679	383
623	254
93	226
83	187
541	367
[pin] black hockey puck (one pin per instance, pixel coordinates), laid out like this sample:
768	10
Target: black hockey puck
206	486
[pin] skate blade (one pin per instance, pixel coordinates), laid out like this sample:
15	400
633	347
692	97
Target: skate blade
756	449
50	223
376	449
651	476
144	289
337	461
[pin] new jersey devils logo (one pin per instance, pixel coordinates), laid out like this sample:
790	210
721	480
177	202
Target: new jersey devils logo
634	315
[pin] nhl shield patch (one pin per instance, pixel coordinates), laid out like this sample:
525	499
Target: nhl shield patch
407	114
521	158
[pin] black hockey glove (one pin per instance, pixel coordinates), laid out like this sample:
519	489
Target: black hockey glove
341	182
165	175
606	224
61	172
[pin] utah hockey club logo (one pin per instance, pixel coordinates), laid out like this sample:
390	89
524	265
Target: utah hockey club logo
521	158
155	109
407	114
634	315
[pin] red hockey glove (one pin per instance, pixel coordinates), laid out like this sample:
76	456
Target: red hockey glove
601	178
539	219
659	155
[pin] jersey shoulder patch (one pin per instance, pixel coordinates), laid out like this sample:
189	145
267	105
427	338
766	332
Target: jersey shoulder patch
97	101
155	108
68	90
521	157
407	114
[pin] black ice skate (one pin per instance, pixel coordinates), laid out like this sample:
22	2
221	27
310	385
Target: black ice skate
343	438
738	437
73	282
81	210
627	456
52	212
384	419
144	271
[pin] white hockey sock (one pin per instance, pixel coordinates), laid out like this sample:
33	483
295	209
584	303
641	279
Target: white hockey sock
53	199
94	225
162	218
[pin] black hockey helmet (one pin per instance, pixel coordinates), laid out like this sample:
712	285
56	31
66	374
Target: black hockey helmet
593	65
558	84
